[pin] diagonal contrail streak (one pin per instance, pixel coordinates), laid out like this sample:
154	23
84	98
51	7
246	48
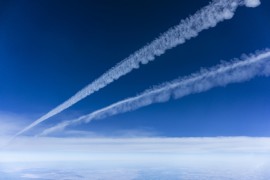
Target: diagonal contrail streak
208	17
231	72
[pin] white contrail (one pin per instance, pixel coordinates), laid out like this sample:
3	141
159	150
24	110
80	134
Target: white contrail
207	17
221	75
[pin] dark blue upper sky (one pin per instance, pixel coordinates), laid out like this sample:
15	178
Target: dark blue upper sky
50	49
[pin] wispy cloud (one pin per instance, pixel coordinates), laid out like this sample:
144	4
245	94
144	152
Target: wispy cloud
10	122
207	17
127	133
228	72
27	149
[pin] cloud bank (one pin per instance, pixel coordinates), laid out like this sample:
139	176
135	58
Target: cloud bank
29	149
207	17
254	168
235	71
211	158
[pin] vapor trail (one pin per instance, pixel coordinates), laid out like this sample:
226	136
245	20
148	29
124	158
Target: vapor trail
207	17
235	71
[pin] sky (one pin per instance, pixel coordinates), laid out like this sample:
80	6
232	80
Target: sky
51	49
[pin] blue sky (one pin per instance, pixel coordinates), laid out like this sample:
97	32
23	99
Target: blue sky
50	50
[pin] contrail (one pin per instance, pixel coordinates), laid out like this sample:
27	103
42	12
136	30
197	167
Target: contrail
235	71
207	17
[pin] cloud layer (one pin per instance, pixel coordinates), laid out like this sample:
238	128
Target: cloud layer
239	158
27	149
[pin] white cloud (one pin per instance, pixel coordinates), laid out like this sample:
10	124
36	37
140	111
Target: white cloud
80	149
127	133
31	176
239	158
252	3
